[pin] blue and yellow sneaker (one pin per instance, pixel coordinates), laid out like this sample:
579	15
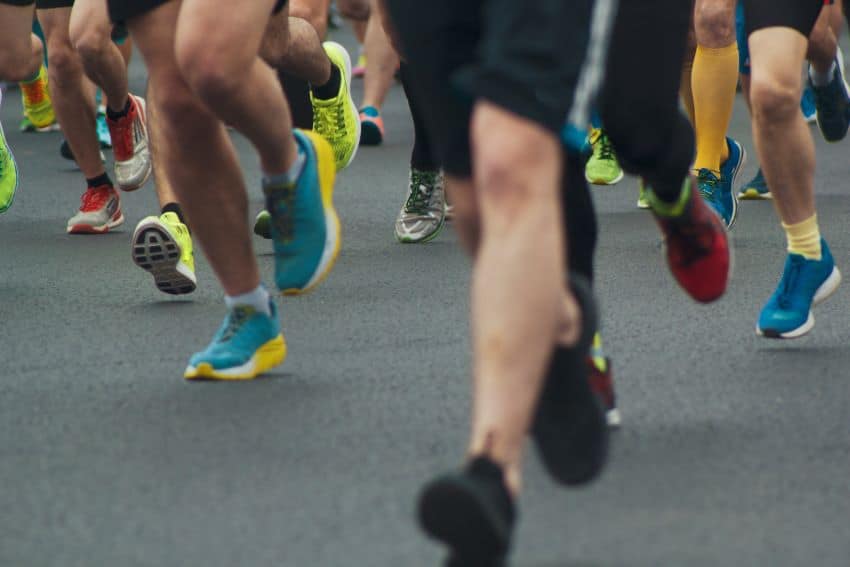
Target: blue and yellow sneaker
8	173
247	344
729	171
756	189
833	104
804	284
304	224
709	186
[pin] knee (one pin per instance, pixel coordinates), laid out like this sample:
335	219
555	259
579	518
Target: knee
715	23
211	75
175	107
773	98
91	43
13	66
64	61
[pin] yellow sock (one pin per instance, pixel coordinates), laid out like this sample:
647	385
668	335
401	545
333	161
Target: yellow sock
685	91
714	79
804	238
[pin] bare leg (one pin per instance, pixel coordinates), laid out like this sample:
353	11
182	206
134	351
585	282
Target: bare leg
165	193
314	11
292	45
20	50
382	62
823	43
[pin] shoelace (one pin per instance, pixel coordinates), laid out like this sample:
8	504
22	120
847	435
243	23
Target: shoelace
235	319
707	184
421	189
605	149
94	198
330	123
789	282
281	208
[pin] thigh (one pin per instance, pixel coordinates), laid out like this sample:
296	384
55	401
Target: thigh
776	56
55	22
15	28
90	15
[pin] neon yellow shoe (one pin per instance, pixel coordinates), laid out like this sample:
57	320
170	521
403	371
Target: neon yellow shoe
337	119
38	108
602	168
162	246
643	195
8	174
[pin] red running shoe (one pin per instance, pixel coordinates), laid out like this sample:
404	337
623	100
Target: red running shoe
100	211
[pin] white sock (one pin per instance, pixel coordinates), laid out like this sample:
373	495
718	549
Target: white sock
289	177
258	298
821	79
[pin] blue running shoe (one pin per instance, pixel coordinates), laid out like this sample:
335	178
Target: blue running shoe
804	284
247	344
807	104
756	189
709	187
729	171
304	224
103	130
833	104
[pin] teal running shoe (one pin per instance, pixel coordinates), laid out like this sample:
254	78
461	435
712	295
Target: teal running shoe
103	130
8	174
247	344
807	104
709	187
756	189
804	284
305	227
729	171
833	104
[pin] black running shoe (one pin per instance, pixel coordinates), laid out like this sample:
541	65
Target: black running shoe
569	426
472	512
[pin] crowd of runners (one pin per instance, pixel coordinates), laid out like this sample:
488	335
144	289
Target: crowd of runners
516	107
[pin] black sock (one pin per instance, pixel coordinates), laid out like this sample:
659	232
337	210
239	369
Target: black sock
121	113
174	208
102	179
298	95
330	89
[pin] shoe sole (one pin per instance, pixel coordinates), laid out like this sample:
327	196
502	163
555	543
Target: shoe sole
99	229
333	238
753	195
824	292
156	252
269	355
600	181
450	514
134	185
735	173
356	113
409	240
8	205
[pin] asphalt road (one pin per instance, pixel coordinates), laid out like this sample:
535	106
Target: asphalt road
734	451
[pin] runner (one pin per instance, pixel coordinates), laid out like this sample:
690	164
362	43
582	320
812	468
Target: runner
204	67
378	78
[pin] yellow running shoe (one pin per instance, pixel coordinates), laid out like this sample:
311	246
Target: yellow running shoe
8	173
336	119
163	246
36	98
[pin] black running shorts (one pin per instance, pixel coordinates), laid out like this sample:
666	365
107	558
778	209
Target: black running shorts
540	59
123	10
799	15
17	2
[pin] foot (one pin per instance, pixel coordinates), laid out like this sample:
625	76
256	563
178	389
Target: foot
697	246
247	344
602	168
602	382
729	172
8	174
371	126
163	246
100	211
263	224
471	512
756	189
424	212
713	193
130	146
336	119
35	95
569	427
807	105
804	284
360	69
103	135
643	195
833	104
304	224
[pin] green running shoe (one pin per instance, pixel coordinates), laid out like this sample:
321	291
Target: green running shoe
602	168
756	189
643	195
8	174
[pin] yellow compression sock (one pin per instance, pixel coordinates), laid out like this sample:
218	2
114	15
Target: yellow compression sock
714	78
685	91
804	238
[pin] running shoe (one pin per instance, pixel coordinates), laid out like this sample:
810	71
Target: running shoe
163	246
712	192
833	104
804	284
756	189
103	135
304	224
697	246
729	172
100	211
472	512
263	224
336	119
807	105
27	126
371	126
602	381
602	168
424	212
643	194
130	146
36	98
360	69
8	173
247	344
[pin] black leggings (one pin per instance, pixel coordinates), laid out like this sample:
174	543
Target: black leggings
421	158
639	103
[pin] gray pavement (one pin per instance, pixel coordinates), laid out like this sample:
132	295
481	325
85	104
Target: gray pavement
734	450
